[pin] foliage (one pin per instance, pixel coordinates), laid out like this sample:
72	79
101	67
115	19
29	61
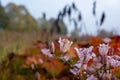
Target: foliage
20	16
17	18
4	18
74	61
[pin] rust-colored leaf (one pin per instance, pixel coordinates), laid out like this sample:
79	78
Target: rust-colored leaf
54	67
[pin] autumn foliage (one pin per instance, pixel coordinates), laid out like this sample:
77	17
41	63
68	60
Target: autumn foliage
63	59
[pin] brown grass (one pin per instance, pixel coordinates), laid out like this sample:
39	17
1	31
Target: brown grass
12	41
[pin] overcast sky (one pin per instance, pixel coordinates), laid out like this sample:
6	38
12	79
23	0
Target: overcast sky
52	7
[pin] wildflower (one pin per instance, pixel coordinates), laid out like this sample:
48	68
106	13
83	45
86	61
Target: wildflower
91	77
75	71
78	64
98	65
66	58
103	49
40	61
32	66
85	54
80	53
113	62
107	40
118	49
46	52
90	56
116	57
52	47
65	44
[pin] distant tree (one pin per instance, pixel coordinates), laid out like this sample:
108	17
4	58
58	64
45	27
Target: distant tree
4	18
53	26
20	18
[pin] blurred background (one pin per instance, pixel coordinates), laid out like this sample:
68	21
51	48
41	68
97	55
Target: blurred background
22	22
91	11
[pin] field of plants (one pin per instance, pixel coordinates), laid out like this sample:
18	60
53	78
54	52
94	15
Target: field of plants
40	57
44	49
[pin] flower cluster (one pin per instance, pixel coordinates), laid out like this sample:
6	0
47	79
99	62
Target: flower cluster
89	65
